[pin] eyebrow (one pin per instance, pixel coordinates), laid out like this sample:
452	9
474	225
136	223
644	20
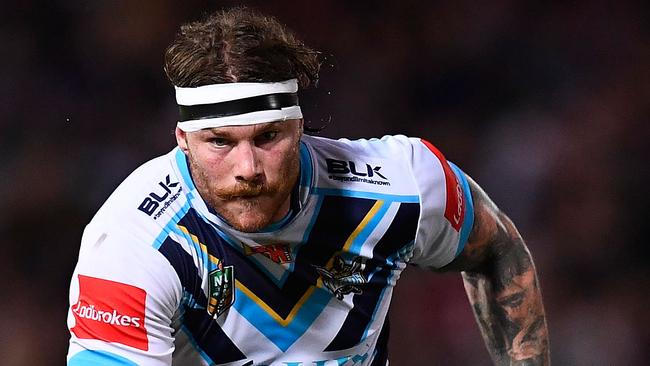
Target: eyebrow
258	128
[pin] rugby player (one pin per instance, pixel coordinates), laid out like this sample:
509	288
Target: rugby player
253	243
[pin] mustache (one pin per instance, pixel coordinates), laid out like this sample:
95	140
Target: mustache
244	190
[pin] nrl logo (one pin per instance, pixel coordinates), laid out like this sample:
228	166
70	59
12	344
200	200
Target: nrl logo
278	253
220	289
344	278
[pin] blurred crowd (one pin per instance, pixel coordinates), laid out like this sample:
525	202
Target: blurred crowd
545	104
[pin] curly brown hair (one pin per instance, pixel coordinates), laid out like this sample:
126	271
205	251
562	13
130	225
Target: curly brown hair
239	45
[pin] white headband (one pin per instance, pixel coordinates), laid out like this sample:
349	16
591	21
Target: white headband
220	93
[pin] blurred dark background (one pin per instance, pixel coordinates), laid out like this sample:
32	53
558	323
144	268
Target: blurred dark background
545	104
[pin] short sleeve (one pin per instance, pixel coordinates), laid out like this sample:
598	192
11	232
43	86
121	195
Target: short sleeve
123	298
446	213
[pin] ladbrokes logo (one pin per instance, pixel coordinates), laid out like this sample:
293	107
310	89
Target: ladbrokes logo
161	196
110	311
113	318
347	171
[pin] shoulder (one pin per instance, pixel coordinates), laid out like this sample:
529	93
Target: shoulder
127	220
155	178
142	180
385	146
382	166
399	161
397	148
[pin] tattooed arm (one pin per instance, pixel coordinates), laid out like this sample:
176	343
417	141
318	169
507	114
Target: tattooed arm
502	287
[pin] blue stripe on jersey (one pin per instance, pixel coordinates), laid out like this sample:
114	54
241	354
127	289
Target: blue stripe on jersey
99	358
401	231
282	336
390	246
181	163
171	224
366	195
468	222
306	168
369	228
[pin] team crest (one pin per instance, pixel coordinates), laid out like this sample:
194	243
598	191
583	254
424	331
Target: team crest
220	289
278	253
344	278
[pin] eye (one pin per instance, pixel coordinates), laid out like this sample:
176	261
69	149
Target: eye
219	142
267	136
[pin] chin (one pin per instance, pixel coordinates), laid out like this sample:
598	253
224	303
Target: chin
249	216
249	219
250	225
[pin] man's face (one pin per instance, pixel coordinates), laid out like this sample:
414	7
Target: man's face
245	173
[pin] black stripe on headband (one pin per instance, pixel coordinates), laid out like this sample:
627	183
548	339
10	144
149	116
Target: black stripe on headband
237	106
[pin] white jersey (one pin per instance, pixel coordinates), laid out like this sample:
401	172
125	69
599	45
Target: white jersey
162	280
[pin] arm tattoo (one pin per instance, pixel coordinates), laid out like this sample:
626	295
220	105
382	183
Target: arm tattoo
502	287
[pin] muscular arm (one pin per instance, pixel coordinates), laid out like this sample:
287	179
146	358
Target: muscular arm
502	287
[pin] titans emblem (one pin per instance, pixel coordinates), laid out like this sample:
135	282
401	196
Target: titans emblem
343	278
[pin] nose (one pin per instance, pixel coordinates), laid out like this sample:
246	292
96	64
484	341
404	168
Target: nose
247	166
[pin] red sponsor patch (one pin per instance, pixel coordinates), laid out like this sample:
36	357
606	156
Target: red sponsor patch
455	205
110	311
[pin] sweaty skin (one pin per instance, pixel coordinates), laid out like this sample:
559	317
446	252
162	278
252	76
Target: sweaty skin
502	287
245	173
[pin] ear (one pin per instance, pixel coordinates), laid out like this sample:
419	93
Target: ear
181	140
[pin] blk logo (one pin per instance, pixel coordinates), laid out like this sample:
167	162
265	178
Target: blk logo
349	167
153	200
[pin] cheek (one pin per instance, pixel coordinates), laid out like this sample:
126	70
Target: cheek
279	162
217	171
211	166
